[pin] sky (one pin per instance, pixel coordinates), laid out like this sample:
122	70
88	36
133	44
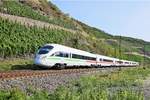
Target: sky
118	17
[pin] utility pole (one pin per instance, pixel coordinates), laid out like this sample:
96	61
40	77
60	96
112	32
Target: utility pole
144	52
120	56
120	51
115	52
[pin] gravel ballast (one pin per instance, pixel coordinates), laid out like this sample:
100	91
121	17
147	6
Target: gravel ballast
48	82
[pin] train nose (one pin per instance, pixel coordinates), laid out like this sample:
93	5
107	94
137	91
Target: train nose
37	61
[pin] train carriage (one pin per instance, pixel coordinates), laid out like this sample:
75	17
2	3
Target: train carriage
105	61
55	55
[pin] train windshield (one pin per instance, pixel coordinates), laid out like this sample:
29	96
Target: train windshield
45	49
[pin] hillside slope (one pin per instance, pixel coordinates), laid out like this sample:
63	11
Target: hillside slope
26	33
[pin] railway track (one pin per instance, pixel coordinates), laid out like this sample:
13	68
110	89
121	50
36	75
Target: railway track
31	73
46	79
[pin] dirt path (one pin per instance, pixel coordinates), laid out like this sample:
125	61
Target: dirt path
31	22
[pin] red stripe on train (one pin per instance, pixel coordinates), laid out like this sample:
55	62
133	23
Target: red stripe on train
89	61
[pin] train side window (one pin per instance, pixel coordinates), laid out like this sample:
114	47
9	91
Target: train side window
93	58
82	57
73	56
126	62
100	59
90	58
59	54
107	60
54	54
65	55
77	56
120	62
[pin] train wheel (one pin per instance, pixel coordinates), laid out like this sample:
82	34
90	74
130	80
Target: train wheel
60	66
98	66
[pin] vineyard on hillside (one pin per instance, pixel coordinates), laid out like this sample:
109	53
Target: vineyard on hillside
17	39
16	8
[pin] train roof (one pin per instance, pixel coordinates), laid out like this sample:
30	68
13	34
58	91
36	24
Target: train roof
71	50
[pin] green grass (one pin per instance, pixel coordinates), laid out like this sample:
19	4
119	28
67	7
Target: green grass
115	86
17	94
119	85
123	85
15	64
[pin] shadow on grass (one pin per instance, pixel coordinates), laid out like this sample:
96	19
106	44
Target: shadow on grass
28	67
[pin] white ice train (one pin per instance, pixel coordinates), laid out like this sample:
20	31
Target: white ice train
55	55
